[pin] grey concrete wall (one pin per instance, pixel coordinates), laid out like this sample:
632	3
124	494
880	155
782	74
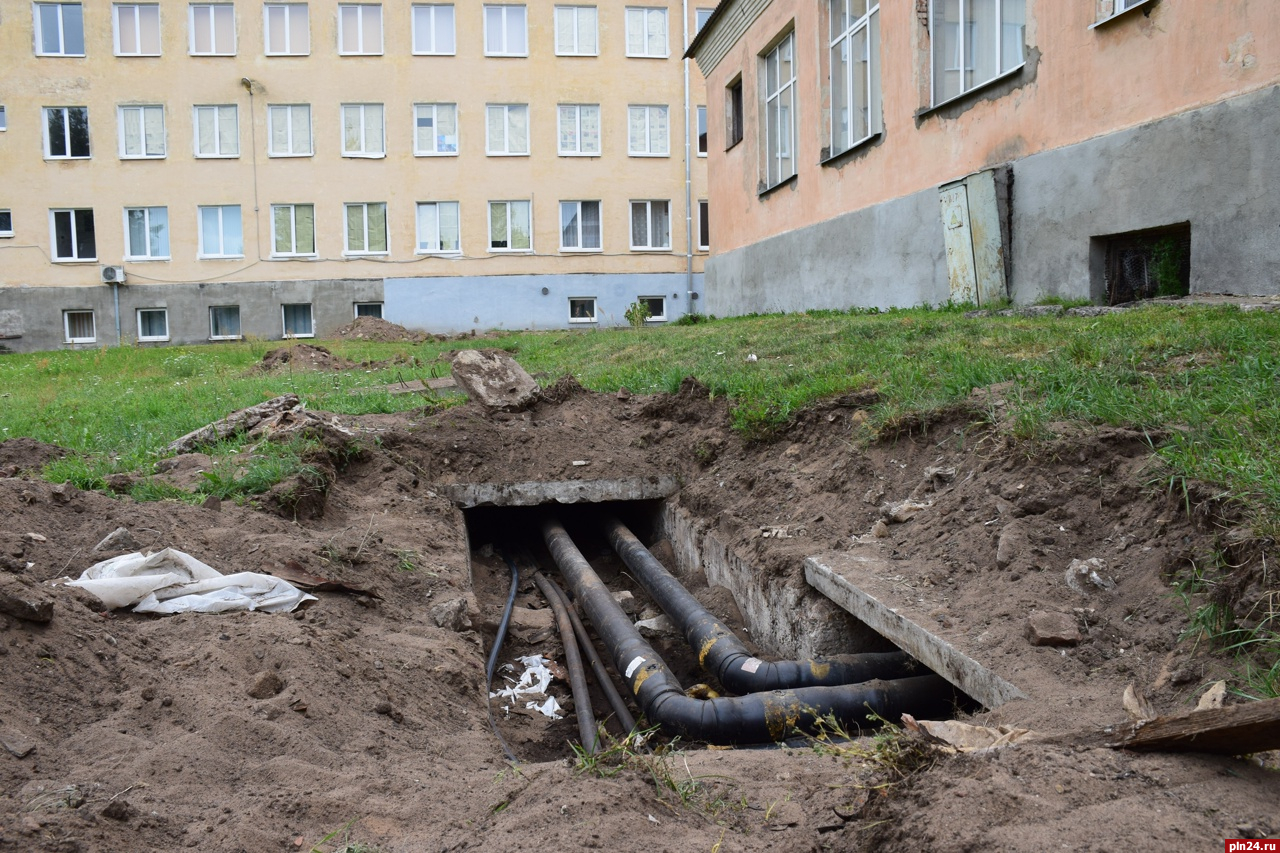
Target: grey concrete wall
453	304
35	313
1216	167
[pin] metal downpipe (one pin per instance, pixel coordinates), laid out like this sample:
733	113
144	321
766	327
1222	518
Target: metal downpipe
755	718
723	655
587	732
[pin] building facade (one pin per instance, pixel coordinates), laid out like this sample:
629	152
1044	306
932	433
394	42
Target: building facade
912	152
184	172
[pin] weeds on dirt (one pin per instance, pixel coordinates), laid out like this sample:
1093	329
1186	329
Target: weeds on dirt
344	844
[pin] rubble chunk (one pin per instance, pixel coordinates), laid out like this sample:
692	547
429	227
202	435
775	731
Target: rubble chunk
492	378
1046	628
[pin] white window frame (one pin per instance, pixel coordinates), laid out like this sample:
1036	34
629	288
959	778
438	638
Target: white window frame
356	306
216	113
76	236
427	241
507	219
364	151
574	15
46	112
779	111
274	114
704	219
152	338
508	110
657	143
6	222
592	318
570	119
364	11
4	118
964	32
856	99
346	234
284	320
649	225
38	26
204	251
579	228
150	254
506	11
655	318
137	24
212	10
239	327
701	139
66	326
290	11
431	12
421	111
700	17
146	113
294	251
639	43
1110	9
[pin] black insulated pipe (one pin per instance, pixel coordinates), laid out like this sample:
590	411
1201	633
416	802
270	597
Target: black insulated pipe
754	718
723	655
587	733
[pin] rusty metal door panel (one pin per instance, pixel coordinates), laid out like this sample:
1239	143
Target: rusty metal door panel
961	271
984	232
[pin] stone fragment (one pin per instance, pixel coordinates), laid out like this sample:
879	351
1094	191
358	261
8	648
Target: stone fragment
1012	543
62	493
451	614
119	539
24	600
656	627
119	810
879	530
265	685
1046	628
212	502
492	378
626	601
903	511
121	483
874	495
17	745
1087	576
529	619
938	476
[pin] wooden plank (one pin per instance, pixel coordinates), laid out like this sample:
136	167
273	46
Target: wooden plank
1234	730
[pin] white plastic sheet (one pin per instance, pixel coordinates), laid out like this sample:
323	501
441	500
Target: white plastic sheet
171	581
534	681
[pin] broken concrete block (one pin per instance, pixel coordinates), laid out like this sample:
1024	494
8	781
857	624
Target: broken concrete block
1045	628
1086	576
22	599
492	378
119	539
528	619
657	627
451	614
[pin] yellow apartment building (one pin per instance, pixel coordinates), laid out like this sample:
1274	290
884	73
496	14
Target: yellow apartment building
179	172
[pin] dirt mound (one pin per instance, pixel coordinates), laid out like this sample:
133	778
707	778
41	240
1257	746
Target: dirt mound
380	330
302	357
19	455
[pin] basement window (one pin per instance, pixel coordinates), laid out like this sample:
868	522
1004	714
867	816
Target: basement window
297	321
79	327
224	323
582	309
1146	264
6	223
368	309
153	324
657	306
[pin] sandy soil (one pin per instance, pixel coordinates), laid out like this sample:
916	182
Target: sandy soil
255	732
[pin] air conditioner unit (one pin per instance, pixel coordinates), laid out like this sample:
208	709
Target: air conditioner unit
113	275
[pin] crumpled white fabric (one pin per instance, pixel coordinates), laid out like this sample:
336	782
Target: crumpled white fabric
171	581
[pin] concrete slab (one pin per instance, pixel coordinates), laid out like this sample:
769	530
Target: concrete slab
863	584
468	495
492	377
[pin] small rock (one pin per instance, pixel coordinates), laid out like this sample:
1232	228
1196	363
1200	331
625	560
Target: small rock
118	810
265	685
1012	543
879	530
624	394
148	694
34	537
63	492
903	511
656	627
451	614
121	484
21	599
874	495
166	702
212	502
17	745
1045	628
1213	698
626	601
119	539
1085	576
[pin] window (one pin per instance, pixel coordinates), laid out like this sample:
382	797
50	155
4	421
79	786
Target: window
647	131
510	226
137	29
79	327
368	309
297	320
576	31
142	132
433	30
779	112
366	229
855	72
360	29
59	29
702	131
508	129
224	322
704	15
220	232
657	306
4	119
286	29
579	129
362	131
6	223
217	131
293	230
646	32
582	309
733	113
580	226
72	235
213	29
974	41
704	225
289	130
438	228
650	225
153	324
66	133
435	129
1108	9
504	31
146	233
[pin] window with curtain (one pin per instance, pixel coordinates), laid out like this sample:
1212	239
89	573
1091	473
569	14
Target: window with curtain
153	324
508	129
974	41
360	29
576	31
580	225
647	32
579	129
217	130
79	327
366	231
293	230
146	233
510	226
213	29
289	130
224	322
142	132
297	320
433	29
137	29
362	134
221	234
648	131
650	225
286	29
435	129
505	32
439	228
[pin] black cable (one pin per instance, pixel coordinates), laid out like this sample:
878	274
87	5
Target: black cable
493	657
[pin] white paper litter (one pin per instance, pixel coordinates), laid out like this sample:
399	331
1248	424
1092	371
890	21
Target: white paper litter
171	581
534	681
547	708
